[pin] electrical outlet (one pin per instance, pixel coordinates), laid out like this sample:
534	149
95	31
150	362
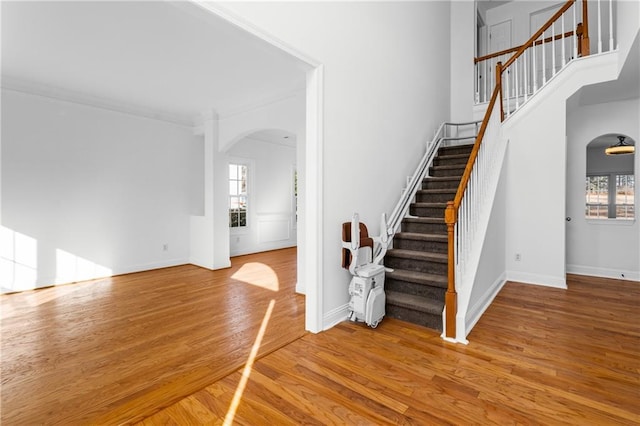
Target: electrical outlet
165	247
518	257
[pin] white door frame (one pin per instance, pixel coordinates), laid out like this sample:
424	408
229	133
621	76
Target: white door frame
313	207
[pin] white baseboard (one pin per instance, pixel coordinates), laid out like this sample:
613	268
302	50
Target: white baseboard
481	305
604	272
536	279
335	316
47	281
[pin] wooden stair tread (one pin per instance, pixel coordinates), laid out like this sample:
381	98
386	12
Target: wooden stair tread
418	277
416	303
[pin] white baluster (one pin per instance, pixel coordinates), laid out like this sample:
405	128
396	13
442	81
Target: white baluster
487	76
611	25
534	70
575	36
563	43
544	62
508	93
599	29
526	73
553	49
516	83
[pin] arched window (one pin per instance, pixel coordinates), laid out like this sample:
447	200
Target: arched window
610	180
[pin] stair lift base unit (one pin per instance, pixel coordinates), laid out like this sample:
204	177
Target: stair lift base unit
366	289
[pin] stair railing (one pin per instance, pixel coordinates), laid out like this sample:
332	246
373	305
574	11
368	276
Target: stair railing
446	132
563	38
515	81
461	219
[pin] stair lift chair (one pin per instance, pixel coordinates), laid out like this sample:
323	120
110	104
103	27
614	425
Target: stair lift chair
367	303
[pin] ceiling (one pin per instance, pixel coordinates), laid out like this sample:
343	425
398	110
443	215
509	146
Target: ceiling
169	59
484	5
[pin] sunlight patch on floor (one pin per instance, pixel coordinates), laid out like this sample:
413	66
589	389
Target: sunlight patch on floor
258	274
246	372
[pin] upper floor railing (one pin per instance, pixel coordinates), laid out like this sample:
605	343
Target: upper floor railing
563	38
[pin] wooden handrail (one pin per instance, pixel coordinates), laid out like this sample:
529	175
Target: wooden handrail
515	48
451	218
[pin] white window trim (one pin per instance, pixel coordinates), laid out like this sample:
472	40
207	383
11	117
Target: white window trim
242	230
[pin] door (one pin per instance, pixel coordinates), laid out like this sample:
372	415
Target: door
500	36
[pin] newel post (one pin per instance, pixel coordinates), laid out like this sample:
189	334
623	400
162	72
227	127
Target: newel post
451	298
499	85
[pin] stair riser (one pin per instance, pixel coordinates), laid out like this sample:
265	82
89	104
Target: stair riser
430	197
440	172
426	320
436	184
455	150
444	161
426	266
435	293
419	211
417	245
424	228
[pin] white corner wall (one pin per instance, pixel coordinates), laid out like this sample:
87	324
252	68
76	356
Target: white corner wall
536	170
385	90
88	192
606	248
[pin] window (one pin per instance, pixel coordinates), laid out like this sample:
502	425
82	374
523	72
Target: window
610	197
597	197
625	186
238	195
610	180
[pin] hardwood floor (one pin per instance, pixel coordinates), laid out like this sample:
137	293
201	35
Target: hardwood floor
117	350
539	355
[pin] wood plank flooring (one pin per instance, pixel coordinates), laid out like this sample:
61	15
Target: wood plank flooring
117	350
539	355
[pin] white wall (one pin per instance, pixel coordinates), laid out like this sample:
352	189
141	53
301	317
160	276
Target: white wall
385	92
462	68
96	192
607	248
271	214
536	170
491	275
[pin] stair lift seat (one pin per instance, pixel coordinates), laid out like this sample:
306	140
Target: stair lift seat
367	303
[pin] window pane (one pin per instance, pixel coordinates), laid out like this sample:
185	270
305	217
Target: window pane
625	196
597	197
238	195
233	187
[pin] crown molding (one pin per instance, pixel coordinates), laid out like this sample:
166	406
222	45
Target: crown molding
262	103
66	95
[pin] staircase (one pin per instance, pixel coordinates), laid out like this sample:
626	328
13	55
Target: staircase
416	288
